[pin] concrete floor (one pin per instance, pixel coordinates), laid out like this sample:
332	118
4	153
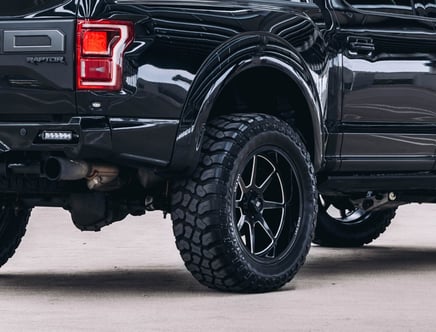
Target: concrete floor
129	277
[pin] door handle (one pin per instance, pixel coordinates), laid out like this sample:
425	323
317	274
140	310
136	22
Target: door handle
360	45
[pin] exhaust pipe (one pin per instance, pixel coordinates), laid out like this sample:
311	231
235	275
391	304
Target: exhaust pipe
57	169
98	176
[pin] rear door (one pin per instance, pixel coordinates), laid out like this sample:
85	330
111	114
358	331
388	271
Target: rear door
389	94
427	10
36	59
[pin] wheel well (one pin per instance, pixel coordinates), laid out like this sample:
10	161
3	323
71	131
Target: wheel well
269	91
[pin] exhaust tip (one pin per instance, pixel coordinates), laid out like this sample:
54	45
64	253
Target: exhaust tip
56	169
52	169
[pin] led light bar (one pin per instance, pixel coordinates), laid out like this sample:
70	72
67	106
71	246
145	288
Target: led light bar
57	136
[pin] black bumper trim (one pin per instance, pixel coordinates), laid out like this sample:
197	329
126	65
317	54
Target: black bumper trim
144	142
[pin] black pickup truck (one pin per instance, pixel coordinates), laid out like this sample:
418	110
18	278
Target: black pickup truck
260	126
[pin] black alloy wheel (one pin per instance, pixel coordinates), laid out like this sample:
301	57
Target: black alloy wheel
244	221
341	224
267	208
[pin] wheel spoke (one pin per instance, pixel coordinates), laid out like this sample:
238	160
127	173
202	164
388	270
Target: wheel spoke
342	210
242	186
241	222
252	237
262	222
253	172
324	202
269	205
272	252
264	186
343	213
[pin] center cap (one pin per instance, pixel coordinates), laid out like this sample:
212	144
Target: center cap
257	203
252	203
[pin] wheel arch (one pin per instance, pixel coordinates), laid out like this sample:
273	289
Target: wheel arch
260	52
285	94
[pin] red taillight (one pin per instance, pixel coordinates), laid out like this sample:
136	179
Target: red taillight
100	49
95	42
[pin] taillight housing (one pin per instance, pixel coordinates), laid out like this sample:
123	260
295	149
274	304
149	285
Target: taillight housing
101	45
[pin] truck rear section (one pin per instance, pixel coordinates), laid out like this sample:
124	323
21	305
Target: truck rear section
61	78
54	151
209	110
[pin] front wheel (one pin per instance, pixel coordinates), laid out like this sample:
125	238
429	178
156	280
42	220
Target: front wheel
244	222
341	224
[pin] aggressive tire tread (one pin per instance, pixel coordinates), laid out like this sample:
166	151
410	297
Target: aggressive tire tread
15	231
330	233
206	244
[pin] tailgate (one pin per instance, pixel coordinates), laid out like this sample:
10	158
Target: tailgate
36	65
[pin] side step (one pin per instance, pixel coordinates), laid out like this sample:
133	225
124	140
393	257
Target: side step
377	182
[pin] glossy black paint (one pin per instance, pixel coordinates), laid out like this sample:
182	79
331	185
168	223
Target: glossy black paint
185	53
366	73
389	90
28	87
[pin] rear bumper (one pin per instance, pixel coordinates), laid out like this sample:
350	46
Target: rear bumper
141	142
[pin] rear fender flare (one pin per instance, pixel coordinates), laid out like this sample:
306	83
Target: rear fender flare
228	61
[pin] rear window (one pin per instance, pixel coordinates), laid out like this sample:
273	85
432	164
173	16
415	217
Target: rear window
23	7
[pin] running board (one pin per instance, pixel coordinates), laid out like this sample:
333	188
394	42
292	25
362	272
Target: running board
379	182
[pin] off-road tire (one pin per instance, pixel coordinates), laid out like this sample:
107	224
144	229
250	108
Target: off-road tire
331	232
12	229
204	206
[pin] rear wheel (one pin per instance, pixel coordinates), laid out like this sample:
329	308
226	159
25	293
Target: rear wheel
245	220
341	224
12	228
